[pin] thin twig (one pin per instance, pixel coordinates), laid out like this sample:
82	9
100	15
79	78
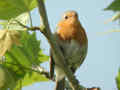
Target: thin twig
34	28
30	17
42	71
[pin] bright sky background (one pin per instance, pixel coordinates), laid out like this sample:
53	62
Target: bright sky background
101	65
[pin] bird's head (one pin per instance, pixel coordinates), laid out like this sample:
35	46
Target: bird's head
69	28
69	18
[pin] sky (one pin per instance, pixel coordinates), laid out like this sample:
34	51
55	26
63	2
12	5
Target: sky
102	62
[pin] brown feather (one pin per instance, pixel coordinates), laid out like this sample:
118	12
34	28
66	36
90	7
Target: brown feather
72	31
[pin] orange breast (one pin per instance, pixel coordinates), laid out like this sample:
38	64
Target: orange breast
69	32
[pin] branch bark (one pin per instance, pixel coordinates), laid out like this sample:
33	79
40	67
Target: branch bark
52	41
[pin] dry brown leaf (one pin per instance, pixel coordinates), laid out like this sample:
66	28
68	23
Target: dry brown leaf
7	39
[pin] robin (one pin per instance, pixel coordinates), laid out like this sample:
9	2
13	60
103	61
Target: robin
73	42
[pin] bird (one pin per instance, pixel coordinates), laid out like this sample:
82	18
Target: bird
73	43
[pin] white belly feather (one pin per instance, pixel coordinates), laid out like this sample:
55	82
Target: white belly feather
74	54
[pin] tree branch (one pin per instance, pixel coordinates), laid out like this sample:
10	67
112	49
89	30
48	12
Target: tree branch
35	68
42	71
59	56
32	28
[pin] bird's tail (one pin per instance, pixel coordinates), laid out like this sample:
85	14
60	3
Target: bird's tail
60	85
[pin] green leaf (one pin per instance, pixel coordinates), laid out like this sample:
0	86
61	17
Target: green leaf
26	55
9	35
114	18
42	57
15	66
2	77
7	77
114	6
13	25
29	80
118	80
31	47
20	60
12	8
36	77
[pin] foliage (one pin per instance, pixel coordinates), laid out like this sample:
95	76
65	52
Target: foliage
118	80
13	25
20	59
28	80
114	6
7	79
21	48
12	8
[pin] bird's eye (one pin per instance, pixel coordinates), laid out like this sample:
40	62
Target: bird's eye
66	17
76	15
